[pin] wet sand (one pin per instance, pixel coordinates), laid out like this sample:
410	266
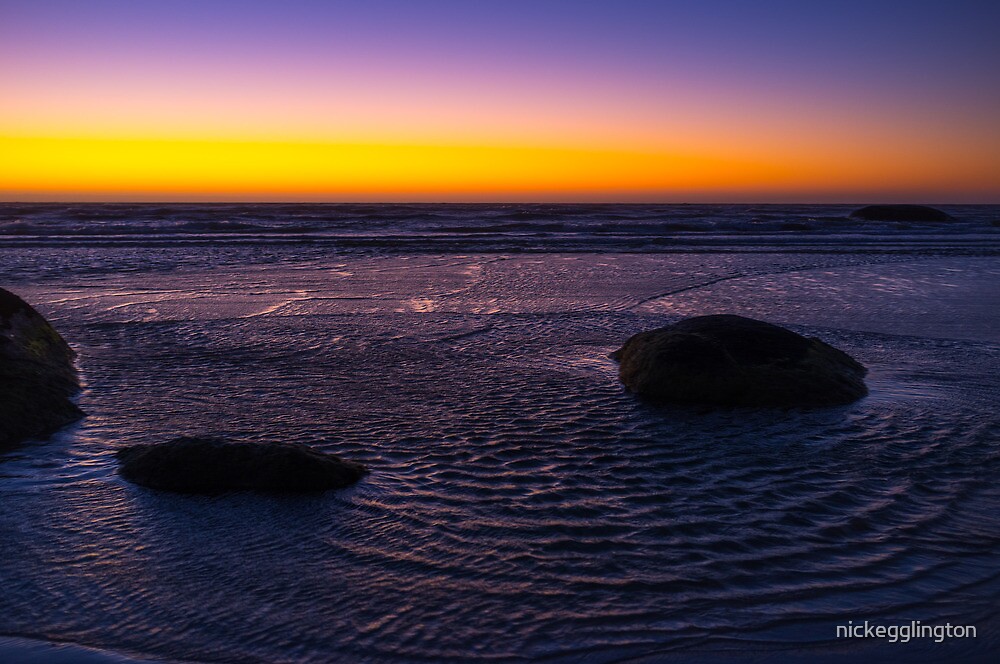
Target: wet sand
521	505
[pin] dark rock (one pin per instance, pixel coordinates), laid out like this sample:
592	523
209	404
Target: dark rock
37	374
213	466
900	213
729	360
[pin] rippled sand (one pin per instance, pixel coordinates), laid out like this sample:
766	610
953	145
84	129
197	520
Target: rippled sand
521	504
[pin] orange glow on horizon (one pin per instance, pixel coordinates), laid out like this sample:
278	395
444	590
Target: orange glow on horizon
159	169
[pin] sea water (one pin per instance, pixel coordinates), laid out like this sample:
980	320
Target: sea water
521	504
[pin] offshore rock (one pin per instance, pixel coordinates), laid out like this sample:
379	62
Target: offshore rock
728	360
900	213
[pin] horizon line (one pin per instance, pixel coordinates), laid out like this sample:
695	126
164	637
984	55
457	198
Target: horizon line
446	202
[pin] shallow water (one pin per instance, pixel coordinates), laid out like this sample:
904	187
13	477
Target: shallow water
521	505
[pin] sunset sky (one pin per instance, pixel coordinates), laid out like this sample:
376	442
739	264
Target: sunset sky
535	101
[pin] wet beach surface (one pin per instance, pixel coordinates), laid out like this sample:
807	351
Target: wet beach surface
521	504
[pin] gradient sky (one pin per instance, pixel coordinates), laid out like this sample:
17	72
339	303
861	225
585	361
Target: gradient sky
390	100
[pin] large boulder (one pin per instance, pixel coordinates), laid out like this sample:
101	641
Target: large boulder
728	360
900	213
37	376
213	465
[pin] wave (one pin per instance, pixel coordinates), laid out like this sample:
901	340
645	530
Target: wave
483	227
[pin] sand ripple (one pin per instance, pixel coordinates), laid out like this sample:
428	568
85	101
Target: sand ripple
521	505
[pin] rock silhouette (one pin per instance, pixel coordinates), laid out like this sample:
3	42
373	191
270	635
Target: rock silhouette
728	360
37	376
214	465
900	213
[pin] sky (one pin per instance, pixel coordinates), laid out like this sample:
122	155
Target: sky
386	100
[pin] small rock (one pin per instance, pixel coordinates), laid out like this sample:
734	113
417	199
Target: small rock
213	465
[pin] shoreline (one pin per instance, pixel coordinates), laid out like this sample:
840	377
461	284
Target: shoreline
28	650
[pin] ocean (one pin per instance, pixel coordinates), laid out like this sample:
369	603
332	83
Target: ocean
521	505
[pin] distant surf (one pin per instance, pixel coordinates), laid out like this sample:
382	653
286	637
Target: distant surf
482	227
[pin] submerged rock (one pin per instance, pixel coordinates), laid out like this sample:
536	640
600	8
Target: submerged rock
730	360
900	213
37	374
214	465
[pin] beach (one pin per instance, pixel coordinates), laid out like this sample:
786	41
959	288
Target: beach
521	505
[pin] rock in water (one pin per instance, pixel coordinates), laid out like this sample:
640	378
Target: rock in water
213	465
730	360
900	213
37	375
